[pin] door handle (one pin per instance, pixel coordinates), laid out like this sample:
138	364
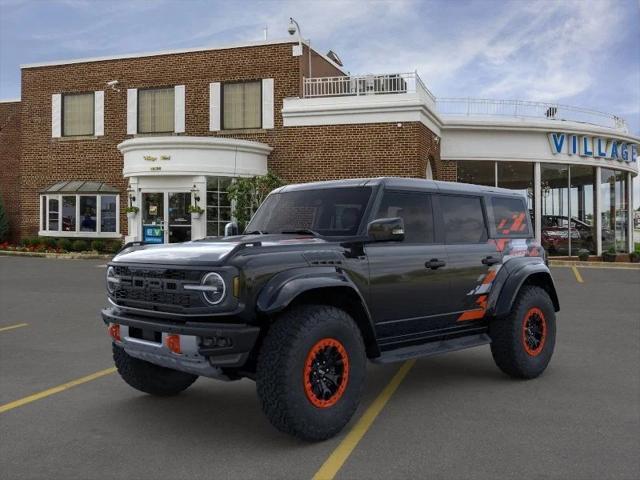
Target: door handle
490	260
434	264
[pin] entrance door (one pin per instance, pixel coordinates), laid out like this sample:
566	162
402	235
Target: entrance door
179	218
165	218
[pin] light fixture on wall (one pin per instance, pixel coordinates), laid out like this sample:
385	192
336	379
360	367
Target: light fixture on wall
294	28
195	192
132	197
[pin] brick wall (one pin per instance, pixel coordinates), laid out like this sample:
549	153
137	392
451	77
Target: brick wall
300	153
10	162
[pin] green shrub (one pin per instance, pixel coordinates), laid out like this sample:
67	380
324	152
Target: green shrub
79	246
65	244
28	241
48	242
98	245
4	223
113	246
583	254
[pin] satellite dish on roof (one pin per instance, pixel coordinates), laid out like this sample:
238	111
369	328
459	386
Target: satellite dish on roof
334	57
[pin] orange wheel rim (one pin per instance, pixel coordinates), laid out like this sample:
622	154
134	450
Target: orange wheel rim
326	373
534	331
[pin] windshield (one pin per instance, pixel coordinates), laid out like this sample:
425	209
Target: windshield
335	212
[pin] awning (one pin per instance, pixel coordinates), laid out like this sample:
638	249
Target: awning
80	186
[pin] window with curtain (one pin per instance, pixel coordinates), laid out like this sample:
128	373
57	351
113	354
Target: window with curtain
77	114
242	105
156	110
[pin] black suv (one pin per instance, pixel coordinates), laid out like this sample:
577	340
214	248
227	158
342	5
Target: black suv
326	276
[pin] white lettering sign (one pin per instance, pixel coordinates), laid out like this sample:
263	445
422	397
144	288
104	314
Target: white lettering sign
597	147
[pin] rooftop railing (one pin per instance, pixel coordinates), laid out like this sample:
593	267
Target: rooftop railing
356	85
478	107
399	83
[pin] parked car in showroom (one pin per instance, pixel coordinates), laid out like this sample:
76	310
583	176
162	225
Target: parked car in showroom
325	277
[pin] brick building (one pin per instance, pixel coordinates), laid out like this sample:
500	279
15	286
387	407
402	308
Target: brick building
162	131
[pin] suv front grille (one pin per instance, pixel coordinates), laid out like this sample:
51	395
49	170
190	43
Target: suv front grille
158	289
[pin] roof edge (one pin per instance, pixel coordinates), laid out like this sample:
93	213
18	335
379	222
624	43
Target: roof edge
10	100
163	52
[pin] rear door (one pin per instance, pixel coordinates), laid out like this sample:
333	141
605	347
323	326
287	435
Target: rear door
407	283
470	255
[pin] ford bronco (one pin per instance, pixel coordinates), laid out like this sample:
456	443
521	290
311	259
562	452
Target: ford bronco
326	276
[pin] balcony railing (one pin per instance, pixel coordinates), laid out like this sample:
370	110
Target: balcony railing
520	108
357	85
399	83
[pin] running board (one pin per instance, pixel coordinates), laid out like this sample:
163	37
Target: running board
433	348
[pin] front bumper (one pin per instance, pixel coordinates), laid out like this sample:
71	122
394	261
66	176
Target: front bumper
206	347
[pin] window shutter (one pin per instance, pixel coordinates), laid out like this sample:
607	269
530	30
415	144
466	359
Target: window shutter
214	106
178	110
267	103
132	111
98	112
56	115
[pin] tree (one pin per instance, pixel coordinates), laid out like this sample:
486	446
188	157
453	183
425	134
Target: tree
246	195
4	223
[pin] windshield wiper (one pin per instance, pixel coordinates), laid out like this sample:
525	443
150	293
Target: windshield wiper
302	231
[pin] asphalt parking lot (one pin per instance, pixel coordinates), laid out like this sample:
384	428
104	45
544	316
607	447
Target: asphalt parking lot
453	416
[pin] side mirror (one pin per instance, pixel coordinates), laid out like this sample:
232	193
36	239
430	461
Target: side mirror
386	230
231	229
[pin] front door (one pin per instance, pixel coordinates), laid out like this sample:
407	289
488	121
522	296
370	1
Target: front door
165	218
407	279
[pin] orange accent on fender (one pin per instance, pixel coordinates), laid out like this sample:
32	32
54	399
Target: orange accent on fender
173	343
308	365
476	314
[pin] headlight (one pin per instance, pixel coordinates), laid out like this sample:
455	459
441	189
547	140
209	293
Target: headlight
112	280
212	288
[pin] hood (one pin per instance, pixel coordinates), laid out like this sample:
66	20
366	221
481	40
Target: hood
208	251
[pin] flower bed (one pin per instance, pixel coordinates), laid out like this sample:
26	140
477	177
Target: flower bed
62	245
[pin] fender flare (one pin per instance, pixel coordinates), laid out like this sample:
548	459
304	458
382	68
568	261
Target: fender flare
537	273
284	287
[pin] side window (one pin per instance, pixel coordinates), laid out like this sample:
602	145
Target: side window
415	211
510	216
463	219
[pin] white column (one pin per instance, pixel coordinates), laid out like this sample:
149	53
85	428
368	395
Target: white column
134	226
629	212
598	219
56	115
537	200
199	227
267	103
214	106
178	110
98	113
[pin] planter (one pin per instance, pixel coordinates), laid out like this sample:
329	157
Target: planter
616	257
634	257
196	215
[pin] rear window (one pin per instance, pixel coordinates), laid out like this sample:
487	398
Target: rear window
510	217
463	219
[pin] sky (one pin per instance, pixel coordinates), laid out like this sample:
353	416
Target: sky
576	52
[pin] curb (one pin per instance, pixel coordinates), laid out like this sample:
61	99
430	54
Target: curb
609	265
59	256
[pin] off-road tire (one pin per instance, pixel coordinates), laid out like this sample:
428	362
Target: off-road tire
289	344
150	378
509	348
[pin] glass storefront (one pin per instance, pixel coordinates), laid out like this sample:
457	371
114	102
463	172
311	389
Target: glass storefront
614	210
568	203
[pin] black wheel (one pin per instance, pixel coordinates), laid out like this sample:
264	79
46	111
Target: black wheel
150	378
522	343
311	371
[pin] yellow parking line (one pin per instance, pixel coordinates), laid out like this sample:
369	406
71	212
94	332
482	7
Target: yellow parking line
332	465
60	388
11	327
577	274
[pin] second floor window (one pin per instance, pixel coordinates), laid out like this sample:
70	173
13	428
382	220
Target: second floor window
77	114
241	105
156	110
